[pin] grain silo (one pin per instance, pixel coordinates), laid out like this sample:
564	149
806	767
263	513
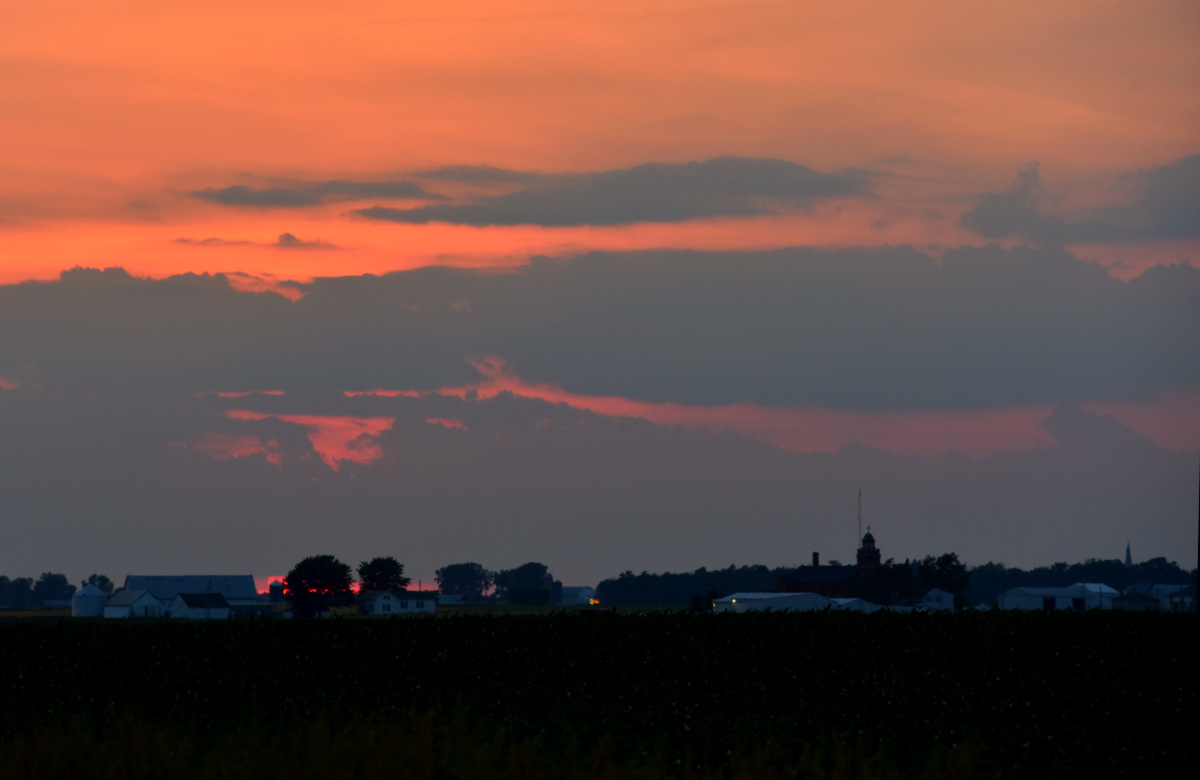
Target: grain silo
88	602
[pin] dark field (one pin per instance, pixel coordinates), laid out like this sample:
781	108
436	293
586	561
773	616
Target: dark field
601	695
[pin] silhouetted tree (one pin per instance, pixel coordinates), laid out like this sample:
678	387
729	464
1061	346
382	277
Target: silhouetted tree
99	581
945	571
888	584
469	580
52	587
17	593
382	574
317	583
529	583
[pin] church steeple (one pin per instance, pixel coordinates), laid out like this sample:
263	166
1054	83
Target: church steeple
1128	556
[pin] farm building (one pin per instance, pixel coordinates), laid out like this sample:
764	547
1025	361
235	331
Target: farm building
238	589
127	603
856	605
1080	596
578	594
88	602
934	600
200	606
1170	598
830	581
751	602
382	602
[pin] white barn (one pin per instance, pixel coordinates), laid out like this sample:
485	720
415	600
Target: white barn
237	589
1079	597
382	602
779	602
133	604
200	606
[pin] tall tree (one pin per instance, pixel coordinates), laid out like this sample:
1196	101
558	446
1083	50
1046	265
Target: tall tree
469	580
382	574
52	587
527	575
317	583
101	582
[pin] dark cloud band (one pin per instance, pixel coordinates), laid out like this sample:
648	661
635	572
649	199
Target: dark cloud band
656	192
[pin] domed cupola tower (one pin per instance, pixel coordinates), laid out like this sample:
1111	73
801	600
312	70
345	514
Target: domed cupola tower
868	554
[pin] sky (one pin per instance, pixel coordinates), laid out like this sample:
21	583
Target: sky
609	286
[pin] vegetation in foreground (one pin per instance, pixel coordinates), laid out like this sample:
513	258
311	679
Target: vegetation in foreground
601	695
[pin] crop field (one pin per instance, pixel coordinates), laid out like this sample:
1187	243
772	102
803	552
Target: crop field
606	695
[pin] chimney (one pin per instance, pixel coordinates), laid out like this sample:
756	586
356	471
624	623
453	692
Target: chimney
816	559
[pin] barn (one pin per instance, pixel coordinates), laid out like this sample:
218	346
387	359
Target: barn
127	603
779	602
200	606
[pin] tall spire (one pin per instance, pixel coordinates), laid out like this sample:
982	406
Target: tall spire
1128	556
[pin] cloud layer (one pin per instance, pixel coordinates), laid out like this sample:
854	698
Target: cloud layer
1164	204
888	329
304	194
655	192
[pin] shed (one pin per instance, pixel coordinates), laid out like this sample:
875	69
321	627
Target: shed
779	602
88	602
200	606
127	603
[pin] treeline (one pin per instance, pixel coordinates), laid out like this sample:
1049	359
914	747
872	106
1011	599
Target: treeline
891	583
991	579
50	589
680	590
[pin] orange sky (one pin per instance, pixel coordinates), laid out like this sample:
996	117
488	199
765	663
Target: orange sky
113	112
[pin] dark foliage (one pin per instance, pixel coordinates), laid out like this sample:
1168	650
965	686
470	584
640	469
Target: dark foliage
382	574
991	579
677	590
469	580
52	587
529	583
100	581
669	694
317	583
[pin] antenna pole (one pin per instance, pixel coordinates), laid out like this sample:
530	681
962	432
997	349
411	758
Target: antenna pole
856	541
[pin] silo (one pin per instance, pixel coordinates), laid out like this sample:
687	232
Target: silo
88	602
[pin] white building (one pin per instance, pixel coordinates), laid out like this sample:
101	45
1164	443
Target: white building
382	602
133	604
935	600
200	606
778	602
88	602
238	589
1079	597
855	605
582	594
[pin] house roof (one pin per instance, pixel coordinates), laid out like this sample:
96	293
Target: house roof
407	595
203	600
820	575
167	587
126	597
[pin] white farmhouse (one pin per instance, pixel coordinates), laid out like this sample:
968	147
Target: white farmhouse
200	606
778	602
382	602
935	600
127	603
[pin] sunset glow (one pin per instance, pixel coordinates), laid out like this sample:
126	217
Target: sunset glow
596	283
